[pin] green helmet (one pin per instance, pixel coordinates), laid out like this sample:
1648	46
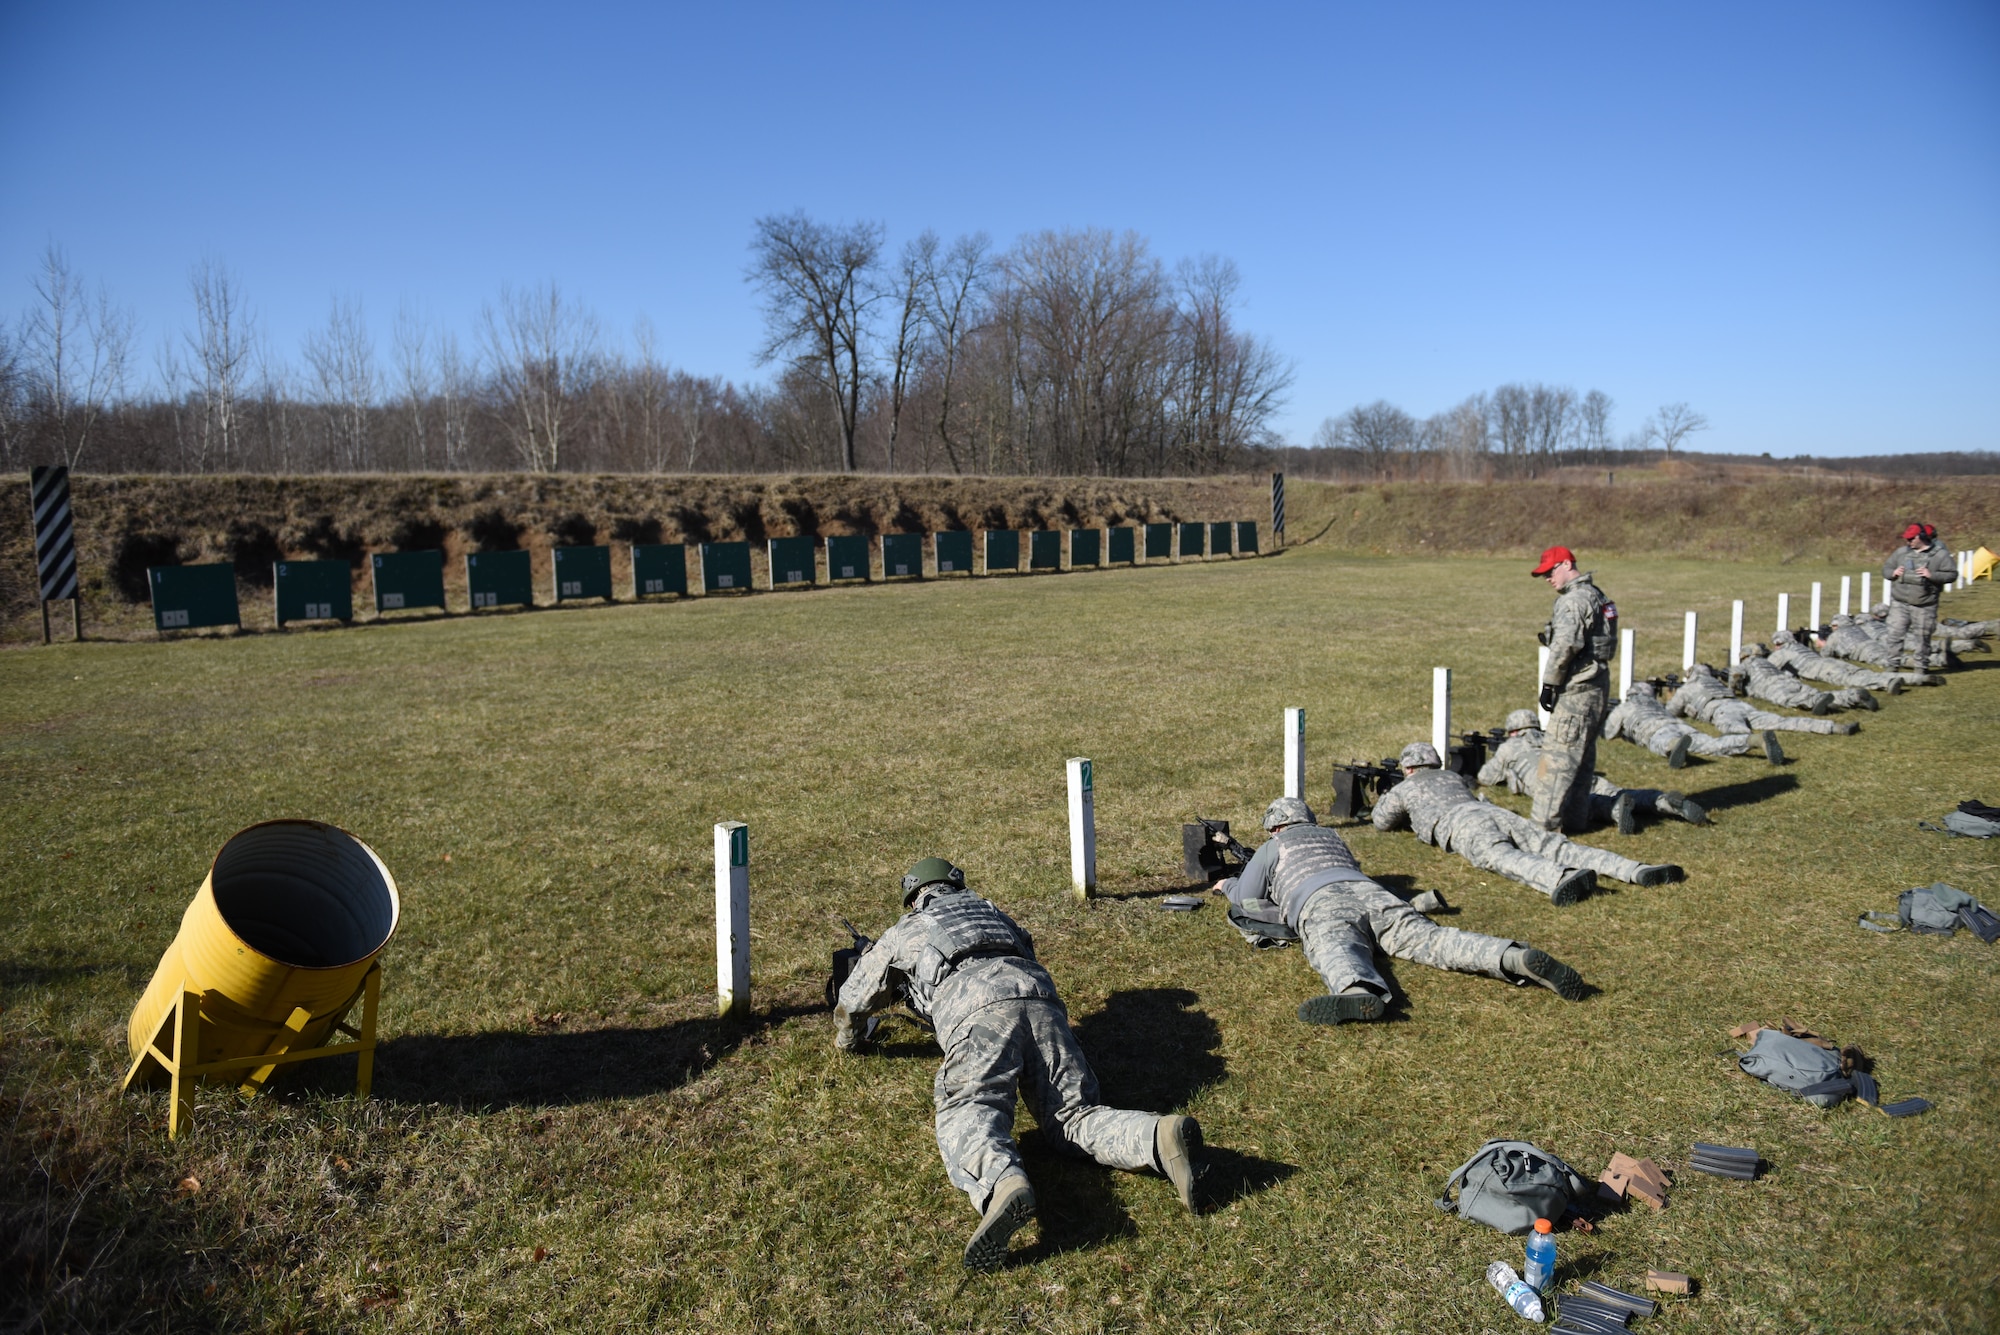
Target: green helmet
929	872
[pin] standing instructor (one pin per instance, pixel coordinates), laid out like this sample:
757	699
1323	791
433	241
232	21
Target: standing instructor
1582	635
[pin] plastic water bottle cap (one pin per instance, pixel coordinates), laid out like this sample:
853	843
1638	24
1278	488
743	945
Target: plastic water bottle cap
1543	1226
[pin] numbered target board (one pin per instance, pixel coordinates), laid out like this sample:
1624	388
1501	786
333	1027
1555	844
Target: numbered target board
582	572
407	579
792	561
1003	550
314	591
847	557
1085	545
954	552
659	567
499	579
1219	539
902	555
185	597
1191	536
725	567
1246	535
1123	544
1045	550
1159	542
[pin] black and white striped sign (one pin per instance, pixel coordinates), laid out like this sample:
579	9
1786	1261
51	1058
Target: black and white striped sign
55	538
1278	506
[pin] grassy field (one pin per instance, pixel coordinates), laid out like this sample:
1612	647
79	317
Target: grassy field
563	1138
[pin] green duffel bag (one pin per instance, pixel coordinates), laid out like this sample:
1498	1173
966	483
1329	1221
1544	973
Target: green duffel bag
1510	1184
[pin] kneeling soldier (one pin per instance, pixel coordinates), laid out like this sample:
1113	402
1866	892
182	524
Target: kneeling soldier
967	967
1307	878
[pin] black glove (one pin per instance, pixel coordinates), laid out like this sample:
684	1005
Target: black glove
1548	696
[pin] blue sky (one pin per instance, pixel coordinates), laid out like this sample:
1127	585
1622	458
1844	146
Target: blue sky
1787	215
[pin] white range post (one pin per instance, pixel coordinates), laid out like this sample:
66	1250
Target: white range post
1846	594
1541	666
1687	642
1784	610
1814	617
1295	753
1624	664
1964	570
1082	828
732	919
1867	603
1441	714
1736	632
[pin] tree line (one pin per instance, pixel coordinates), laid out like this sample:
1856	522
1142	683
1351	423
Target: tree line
1073	352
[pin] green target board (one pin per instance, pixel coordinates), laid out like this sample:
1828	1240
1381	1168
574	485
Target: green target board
659	567
1220	539
954	552
1159	542
1085	545
407	579
725	566
314	591
903	555
1003	549
846	557
792	561
185	597
1246	535
1191	539
582	572
1045	550
500	579
1123	544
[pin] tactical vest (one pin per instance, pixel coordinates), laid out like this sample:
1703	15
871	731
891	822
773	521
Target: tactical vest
1309	859
959	925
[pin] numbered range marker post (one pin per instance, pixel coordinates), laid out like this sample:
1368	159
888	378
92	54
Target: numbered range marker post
1687	642
1625	641
1784	610
1867	602
1541	666
1295	753
732	919
1813	608
1441	712
1736	632
1082	828
1846	594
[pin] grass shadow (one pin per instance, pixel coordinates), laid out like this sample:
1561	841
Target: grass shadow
508	1068
1151	1048
47	972
1074	1202
1743	794
1230	1176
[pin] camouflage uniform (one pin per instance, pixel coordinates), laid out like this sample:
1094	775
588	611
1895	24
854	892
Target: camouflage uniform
1306	877
1581	637
1705	696
1440	809
1641	718
1865	639
1763	679
1788	653
1513	763
1003	1030
1913	597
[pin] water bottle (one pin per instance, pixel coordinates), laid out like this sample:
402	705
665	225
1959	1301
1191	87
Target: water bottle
1518	1295
1541	1267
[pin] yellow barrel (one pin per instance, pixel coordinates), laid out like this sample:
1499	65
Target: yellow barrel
292	914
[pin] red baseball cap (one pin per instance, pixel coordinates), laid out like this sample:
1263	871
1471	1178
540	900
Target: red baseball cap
1552	558
1913	531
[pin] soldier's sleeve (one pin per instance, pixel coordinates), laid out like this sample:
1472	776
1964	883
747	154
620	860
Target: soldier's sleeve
1252	883
1614	722
879	973
1494	770
1392	810
1565	639
1944	568
1895	559
1678	705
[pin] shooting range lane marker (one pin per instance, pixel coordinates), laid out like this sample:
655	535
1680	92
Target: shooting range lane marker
732	919
1295	753
55	543
1082	827
1846	594
1867	601
1278	508
1687	641
1784	610
1625	642
1541	666
1813	608
1441	711
1736	632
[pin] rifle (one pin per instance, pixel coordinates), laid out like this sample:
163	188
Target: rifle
1209	852
844	961
1470	754
1358	785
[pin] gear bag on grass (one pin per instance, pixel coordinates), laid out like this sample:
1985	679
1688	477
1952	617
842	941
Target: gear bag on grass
1509	1184
1939	910
1806	1069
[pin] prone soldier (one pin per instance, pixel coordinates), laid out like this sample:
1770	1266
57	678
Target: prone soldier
1789	652
1706	696
1513	763
1582	637
1641	718
1765	680
1307	878
1865	639
1441	809
961	963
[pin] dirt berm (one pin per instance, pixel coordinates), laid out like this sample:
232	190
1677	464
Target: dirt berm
125	524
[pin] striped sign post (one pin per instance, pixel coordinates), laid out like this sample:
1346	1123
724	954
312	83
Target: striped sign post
1278	508
55	544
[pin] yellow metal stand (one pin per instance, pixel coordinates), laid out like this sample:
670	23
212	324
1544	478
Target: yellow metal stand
178	1041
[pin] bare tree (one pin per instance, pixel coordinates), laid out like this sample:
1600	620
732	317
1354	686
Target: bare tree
1230	384
278	406
543	356
1378	433
455	379
646	386
1513	418
411	352
916	273
342	358
221	342
13	403
1672	424
1551	418
76	352
954	292
816	281
696	405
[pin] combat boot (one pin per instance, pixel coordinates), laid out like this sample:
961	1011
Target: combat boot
1012	1205
1772	751
1527	965
1623	813
1658	874
1356	1003
1678	757
1685	807
1175	1143
1573	886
